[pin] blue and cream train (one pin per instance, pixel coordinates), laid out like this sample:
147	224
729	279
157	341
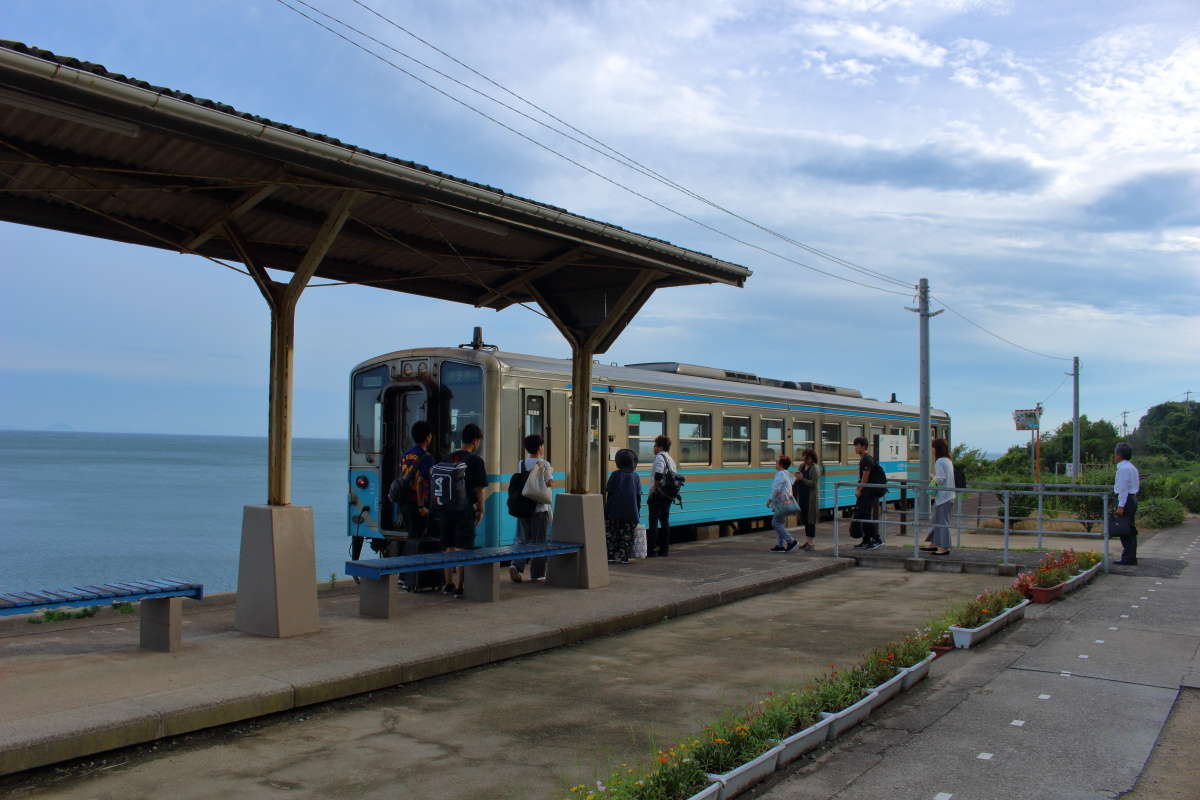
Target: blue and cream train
727	427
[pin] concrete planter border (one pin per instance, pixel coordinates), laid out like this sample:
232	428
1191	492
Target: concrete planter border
801	742
710	792
739	779
847	718
889	688
917	672
967	637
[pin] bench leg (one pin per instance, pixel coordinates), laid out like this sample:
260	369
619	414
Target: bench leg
162	624
377	598
482	582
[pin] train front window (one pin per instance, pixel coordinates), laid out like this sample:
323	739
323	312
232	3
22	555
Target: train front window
462	401
366	433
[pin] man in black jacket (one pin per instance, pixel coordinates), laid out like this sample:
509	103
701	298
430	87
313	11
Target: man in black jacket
866	510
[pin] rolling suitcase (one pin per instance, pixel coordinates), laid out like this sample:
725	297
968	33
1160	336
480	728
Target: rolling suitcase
428	580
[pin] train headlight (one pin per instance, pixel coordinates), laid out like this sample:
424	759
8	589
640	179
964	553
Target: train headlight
362	482
407	369
422	368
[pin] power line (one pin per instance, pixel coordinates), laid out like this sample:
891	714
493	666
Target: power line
998	336
1056	388
607	150
581	165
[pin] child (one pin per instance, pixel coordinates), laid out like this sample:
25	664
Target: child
782	504
622	507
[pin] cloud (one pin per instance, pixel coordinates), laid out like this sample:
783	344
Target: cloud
1164	199
930	166
875	41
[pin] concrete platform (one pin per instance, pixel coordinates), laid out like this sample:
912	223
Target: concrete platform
81	687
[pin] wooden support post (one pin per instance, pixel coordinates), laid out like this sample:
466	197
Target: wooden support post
581	410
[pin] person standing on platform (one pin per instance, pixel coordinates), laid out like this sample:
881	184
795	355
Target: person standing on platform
658	534
411	488
1126	486
866	510
782	504
534	529
943	502
807	491
458	526
622	507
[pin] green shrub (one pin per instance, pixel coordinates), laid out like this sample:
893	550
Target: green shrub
1189	495
1156	486
1161	512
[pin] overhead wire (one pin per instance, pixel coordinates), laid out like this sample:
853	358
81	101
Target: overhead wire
998	336
576	162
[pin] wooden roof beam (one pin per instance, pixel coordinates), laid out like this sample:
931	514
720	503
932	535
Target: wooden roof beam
526	278
247	201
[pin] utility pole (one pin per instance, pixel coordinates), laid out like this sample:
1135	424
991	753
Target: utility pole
1075	425
1037	447
922	496
1124	427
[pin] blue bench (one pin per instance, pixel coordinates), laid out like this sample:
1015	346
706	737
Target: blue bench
161	609
377	591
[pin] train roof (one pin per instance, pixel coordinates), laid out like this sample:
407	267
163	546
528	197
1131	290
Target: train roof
716	387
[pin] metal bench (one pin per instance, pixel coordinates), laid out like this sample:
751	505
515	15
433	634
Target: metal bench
377	592
161	608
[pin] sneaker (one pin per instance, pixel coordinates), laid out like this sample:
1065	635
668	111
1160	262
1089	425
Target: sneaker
624	562
540	580
448	588
861	546
791	546
874	546
777	549
808	546
515	574
458	593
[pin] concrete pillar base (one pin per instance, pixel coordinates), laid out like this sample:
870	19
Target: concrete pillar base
161	624
277	572
579	519
377	598
482	582
1008	570
915	564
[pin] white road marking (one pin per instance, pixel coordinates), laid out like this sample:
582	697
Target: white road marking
984	756
1083	656
1019	723
1099	641
942	796
1043	697
1113	628
1124	616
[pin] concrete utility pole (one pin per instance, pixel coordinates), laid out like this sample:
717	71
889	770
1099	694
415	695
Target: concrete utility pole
1124	426
922	311
1075	425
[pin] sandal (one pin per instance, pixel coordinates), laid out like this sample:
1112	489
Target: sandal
941	552
928	549
807	546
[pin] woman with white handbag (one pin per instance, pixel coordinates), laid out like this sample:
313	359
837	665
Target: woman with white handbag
782	504
534	529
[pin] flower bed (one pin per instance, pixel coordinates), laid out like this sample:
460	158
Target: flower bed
987	613
1058	573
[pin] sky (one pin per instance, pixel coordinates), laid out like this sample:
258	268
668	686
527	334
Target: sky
1037	162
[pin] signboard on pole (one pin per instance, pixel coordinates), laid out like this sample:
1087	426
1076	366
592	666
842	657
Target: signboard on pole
1027	419
892	454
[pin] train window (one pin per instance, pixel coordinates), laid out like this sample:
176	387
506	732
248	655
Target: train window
831	443
535	414
875	431
802	438
735	440
644	427
852	433
896	431
368	410
695	438
462	390
771	440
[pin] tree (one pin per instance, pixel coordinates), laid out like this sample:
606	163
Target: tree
1170	429
1096	442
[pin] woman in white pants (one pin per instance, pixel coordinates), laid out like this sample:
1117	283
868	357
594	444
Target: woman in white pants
938	540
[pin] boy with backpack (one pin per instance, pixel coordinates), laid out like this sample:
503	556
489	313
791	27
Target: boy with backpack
410	490
866	510
457	489
534	528
664	490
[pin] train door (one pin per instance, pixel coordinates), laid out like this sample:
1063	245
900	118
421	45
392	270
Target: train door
597	438
535	417
403	405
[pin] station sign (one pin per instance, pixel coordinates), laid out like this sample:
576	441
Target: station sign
892	454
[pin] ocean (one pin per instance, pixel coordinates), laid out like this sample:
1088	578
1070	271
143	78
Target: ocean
85	508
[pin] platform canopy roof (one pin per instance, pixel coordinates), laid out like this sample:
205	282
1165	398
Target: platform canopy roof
91	152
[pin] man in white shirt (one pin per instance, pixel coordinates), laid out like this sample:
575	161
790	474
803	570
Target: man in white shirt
658	504
1126	487
534	529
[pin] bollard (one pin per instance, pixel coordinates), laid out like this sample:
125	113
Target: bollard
836	513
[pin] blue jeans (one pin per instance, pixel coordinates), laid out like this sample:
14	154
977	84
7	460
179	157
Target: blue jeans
779	523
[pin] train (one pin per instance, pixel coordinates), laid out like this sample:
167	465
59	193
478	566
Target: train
728	428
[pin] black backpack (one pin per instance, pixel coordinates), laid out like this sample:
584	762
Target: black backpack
671	485
519	505
877	475
960	477
448	486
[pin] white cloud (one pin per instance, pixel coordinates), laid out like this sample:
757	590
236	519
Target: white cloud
872	40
